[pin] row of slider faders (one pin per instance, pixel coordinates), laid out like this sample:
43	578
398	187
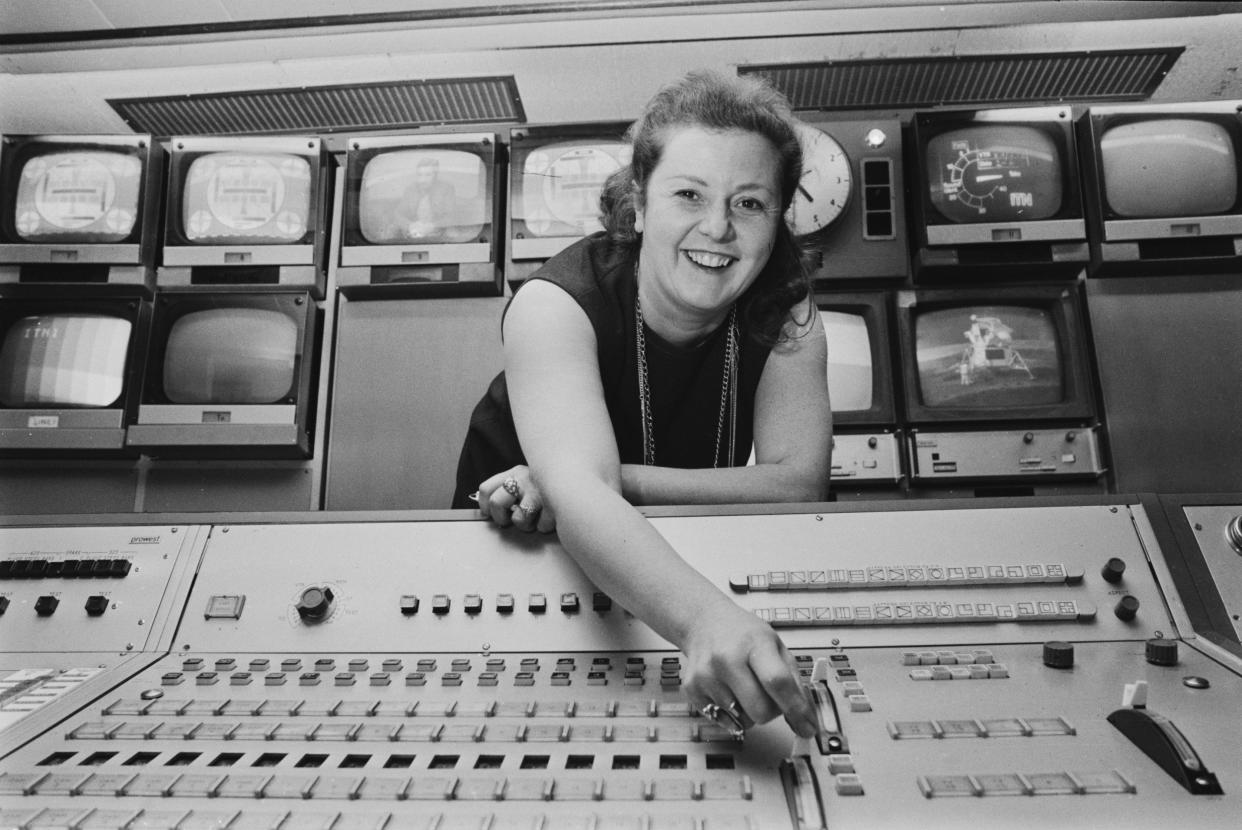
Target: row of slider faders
802	785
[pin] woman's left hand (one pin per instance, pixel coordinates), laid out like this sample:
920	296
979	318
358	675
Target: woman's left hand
513	498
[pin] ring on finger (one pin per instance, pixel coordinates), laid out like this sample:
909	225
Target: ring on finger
710	710
510	486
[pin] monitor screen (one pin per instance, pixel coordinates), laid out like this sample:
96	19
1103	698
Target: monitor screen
560	186
78	196
64	360
987	173
419	195
992	357
231	356
1168	167
851	376
247	198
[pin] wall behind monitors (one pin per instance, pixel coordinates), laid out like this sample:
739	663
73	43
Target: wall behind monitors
1164	187
246	211
229	374
69	372
998	384
421	214
79	209
849	209
861	387
556	176
997	194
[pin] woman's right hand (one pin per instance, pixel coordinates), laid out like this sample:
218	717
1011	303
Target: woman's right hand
513	498
736	661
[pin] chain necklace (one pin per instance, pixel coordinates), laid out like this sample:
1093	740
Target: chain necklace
728	389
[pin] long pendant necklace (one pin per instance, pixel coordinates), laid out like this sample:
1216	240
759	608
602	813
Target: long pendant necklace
728	389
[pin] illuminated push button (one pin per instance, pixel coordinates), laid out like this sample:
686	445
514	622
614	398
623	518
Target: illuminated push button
847	783
1161	652
45	606
119	568
440	604
409	605
504	603
601	602
314	604
1127	608
96	605
472	604
538	604
570	603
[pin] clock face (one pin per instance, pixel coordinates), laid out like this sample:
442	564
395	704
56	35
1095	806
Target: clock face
824	190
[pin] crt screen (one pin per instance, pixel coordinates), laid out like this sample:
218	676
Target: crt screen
70	360
78	196
561	183
994	173
431	195
1168	167
230	356
988	357
246	198
850	375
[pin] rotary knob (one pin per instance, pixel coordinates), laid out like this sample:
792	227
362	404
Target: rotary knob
1161	652
1058	654
1113	569
1126	608
314	604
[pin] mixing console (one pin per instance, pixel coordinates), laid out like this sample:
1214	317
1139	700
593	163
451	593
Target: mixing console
1018	665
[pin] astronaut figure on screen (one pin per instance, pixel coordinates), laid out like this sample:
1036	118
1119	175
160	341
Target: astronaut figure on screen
428	204
991	344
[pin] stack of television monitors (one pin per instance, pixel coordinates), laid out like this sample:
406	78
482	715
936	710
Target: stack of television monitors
1165	187
998	384
849	210
229	374
420	215
79	209
246	211
866	447
998	190
556	176
69	372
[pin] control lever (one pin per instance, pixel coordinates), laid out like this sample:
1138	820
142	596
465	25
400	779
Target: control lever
802	792
1165	744
830	737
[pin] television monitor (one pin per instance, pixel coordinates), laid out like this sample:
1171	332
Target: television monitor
861	385
79	208
998	381
69	372
229	374
998	194
246	211
556	174
1164	186
849	209
420	215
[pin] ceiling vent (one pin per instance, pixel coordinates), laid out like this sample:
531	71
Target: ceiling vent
325	109
971	80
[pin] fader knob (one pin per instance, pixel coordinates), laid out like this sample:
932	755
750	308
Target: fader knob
314	604
1161	652
1113	569
1126	608
1058	654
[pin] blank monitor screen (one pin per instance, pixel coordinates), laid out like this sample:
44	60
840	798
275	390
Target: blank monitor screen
423	195
561	183
78	196
64	360
1169	167
994	173
850	373
246	198
992	357
230	356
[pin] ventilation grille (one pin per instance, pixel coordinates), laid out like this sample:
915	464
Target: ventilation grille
971	79
327	108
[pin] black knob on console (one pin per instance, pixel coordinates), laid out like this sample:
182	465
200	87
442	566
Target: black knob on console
1126	608
314	604
1058	654
1113	569
1161	652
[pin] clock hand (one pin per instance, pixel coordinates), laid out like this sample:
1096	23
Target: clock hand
805	195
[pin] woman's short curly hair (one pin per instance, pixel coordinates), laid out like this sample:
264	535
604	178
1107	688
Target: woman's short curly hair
715	101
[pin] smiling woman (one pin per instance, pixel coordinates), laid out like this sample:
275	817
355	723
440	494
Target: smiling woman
642	365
